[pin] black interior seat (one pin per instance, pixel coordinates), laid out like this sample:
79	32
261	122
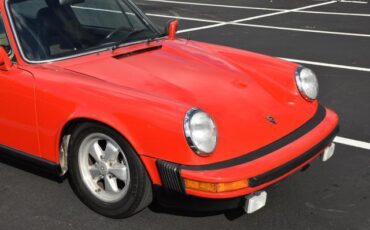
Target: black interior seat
55	29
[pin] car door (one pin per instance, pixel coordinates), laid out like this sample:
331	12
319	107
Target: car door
18	126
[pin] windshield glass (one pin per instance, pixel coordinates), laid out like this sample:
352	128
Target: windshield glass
50	29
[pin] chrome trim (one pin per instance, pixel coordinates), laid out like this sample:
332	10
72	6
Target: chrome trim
74	55
299	84
189	114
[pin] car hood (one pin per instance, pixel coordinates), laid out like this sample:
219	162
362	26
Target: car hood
238	89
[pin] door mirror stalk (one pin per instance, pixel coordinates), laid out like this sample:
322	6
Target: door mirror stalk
5	62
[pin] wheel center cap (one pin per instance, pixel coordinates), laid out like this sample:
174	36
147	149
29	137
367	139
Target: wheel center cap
103	168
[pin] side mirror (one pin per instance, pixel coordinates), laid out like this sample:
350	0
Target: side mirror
171	29
5	62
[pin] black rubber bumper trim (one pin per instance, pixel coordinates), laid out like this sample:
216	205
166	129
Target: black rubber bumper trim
170	176
298	133
295	163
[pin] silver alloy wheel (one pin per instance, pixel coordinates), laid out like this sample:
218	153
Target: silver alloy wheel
103	167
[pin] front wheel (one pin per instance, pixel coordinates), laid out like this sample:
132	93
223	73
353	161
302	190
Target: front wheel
106	173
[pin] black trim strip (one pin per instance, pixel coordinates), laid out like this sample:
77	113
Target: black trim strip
298	133
293	164
32	161
124	55
170	176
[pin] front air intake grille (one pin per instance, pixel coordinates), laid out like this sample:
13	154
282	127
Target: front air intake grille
136	52
170	176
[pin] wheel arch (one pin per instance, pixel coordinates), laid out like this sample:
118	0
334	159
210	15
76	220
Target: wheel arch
67	130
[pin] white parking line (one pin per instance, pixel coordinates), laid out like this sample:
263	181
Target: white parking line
240	24
303	30
217	5
263	26
286	11
358	2
327	64
257	17
353	143
258	8
184	18
333	13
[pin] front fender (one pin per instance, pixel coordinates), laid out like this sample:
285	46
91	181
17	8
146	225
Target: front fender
153	125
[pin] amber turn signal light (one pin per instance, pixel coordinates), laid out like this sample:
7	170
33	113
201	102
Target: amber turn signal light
215	187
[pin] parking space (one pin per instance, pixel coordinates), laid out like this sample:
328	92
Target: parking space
338	24
263	4
353	8
291	44
345	91
185	24
204	12
328	36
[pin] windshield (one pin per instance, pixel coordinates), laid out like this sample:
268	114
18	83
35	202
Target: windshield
51	29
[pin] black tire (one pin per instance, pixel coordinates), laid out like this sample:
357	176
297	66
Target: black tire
139	194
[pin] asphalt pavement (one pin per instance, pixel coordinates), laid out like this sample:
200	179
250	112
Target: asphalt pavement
333	39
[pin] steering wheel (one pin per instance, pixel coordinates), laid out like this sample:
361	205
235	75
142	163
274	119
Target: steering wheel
116	31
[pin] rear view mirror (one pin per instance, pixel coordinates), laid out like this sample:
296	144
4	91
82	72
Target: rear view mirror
5	62
171	29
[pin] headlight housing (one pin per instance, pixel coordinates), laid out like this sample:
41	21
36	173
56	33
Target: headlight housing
307	83
200	132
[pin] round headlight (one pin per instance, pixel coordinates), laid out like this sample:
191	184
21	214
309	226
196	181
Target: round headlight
307	83
200	131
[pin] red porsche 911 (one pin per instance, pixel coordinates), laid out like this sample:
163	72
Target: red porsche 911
94	89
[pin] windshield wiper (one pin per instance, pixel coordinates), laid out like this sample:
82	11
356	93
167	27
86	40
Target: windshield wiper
127	37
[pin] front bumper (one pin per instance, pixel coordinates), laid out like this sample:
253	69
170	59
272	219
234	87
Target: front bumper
262	167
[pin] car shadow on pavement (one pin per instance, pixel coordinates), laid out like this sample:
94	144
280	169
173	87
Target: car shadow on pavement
191	210
28	167
229	214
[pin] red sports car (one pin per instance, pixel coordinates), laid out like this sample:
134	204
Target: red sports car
95	89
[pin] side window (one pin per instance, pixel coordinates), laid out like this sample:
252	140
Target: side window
4	42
